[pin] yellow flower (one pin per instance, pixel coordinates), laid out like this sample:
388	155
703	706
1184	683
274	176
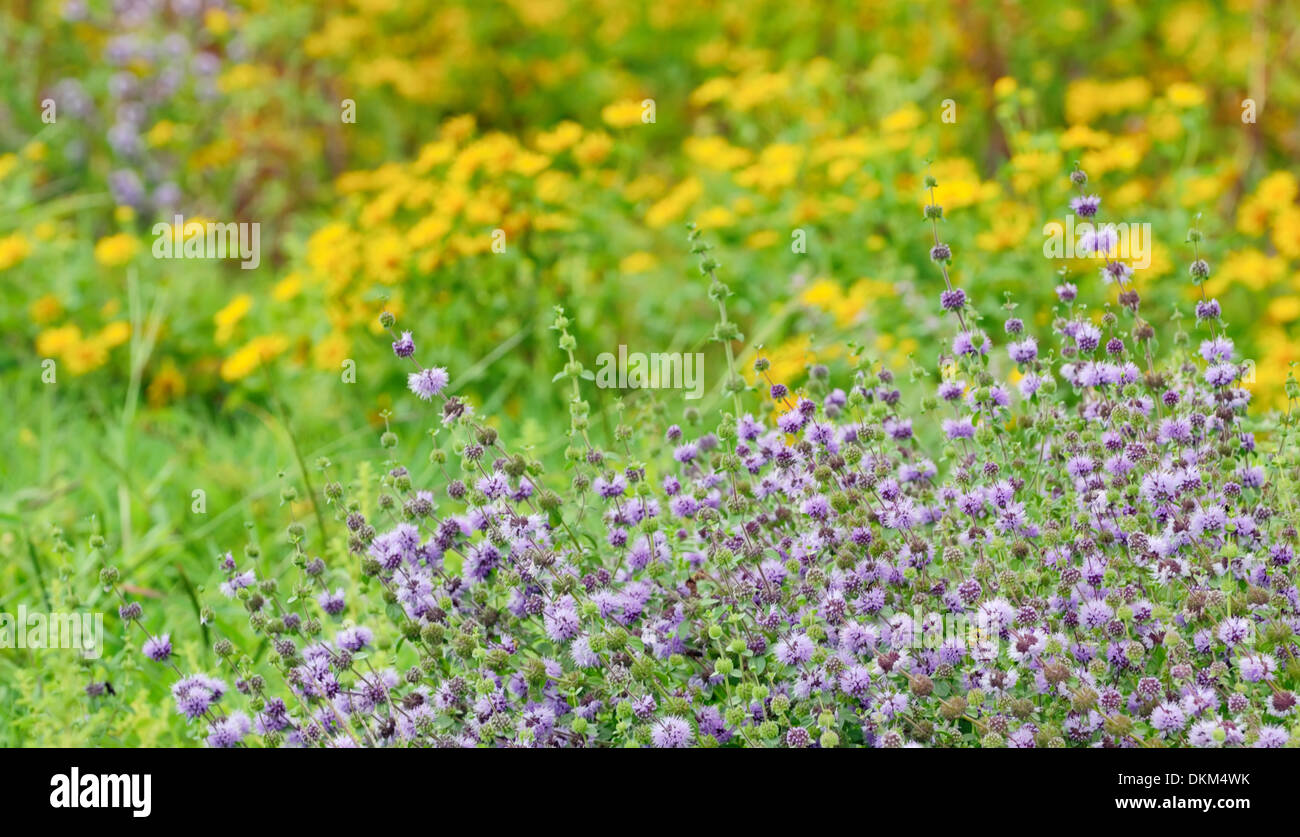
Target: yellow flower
1081	136
757	89
1004	87
252	355
1277	188
1284	309
593	148
1250	268
115	250
675	203
35	151
529	164
287	288
167	385
55	341
1010	225
959	185
777	167
1286	231
244	77
329	352
1087	99
161	133
114	334
45	309
638	262
622	114
228	317
564	136
217	21
716	153
713	90
1181	94
715	217
763	239
85	356
13	249
906	118
554	187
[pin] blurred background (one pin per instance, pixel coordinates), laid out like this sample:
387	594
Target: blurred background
382	146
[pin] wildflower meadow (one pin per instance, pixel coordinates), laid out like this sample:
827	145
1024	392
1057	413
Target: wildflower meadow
617	374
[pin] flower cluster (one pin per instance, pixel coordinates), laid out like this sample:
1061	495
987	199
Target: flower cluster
1065	545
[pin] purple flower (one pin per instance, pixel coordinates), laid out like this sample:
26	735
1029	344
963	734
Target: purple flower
404	346
331	603
1085	206
354	639
428	382
158	648
671	732
230	730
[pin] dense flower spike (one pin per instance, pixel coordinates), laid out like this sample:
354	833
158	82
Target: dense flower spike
1056	550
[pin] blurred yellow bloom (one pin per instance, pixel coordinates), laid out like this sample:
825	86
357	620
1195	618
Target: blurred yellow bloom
45	309
563	136
114	334
1277	188
85	356
287	288
329	352
763	239
428	231
716	153
906	118
55	341
228	317
167	384
638	262
8	162
36	151
1250	268
593	148
1031	168
1087	99
1004	87
1081	136
1184	95
529	164
13	249
161	133
777	167
760	88
217	21
959	185
252	355
554	187
623	113
715	217
1009	226
115	250
1284	309
713	90
675	203
1286	231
